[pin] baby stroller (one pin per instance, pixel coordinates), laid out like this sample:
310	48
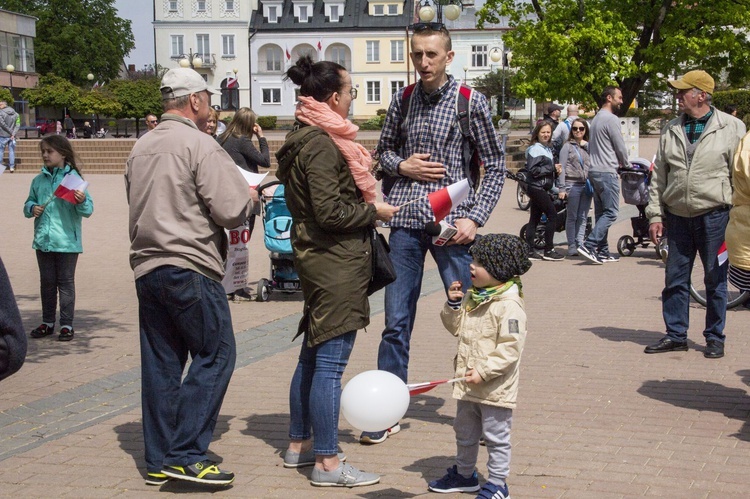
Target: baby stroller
562	214
277	226
634	179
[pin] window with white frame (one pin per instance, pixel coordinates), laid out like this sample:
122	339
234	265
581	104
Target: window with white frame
227	45
229	5
274	58
273	13
201	5
203	46
373	92
392	9
337	54
397	51
271	95
378	10
177	46
302	14
396	85
479	56
333	16
373	51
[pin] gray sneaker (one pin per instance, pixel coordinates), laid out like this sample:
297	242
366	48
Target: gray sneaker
297	460
345	475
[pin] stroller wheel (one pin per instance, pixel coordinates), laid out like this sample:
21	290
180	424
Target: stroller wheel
263	290
625	245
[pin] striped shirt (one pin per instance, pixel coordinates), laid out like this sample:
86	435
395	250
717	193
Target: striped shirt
433	128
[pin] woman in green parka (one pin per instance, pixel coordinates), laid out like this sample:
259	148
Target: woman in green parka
330	193
57	234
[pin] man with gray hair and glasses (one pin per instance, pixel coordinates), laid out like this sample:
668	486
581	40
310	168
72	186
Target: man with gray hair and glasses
690	195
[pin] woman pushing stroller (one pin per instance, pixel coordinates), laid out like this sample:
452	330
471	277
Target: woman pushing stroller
542	185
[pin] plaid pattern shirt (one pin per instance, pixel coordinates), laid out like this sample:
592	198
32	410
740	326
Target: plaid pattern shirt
433	128
694	126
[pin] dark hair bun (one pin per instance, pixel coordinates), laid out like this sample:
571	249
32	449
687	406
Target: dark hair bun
301	70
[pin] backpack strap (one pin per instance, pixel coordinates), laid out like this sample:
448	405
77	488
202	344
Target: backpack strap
470	152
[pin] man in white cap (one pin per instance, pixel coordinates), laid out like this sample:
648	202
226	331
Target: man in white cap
183	190
690	194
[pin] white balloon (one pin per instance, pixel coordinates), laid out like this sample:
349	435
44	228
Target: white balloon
374	400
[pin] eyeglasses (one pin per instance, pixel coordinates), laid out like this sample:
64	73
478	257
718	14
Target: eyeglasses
416	27
353	93
578	128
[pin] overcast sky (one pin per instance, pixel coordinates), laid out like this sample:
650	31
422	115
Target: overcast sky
140	13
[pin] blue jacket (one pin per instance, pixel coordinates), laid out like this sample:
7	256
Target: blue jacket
59	227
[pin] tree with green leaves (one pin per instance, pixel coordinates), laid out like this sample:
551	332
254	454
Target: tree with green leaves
6	96
77	37
52	91
569	50
137	98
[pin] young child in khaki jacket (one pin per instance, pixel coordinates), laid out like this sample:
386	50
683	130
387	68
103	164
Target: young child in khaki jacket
490	322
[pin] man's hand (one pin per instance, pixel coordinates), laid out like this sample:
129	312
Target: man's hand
417	167
655	231
254	195
467	231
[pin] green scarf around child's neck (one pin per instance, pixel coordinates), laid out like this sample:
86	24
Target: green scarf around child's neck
477	296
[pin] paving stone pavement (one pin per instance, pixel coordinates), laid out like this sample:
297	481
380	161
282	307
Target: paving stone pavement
596	417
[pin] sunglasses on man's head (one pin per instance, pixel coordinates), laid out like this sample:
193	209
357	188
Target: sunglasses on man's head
425	26
578	128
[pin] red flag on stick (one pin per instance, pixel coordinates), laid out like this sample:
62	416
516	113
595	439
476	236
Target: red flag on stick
417	388
444	200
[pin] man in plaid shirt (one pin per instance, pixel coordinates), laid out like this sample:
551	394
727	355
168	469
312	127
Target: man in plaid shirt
424	153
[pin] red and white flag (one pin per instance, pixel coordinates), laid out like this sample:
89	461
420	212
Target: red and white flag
444	200
723	254
288	54
70	184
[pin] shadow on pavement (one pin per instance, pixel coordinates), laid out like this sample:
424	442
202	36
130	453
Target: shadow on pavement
700	395
391	492
637	336
425	408
432	468
88	326
273	429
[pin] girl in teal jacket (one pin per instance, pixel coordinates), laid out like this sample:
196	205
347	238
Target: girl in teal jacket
57	234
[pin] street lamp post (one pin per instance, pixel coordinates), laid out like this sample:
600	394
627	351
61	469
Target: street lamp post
451	9
506	55
90	78
191	61
10	68
466	70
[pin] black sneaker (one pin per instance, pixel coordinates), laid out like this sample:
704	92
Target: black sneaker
42	331
156	479
534	255
552	256
589	255
377	437
66	334
453	481
203	472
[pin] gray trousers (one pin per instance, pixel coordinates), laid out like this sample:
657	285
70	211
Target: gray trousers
476	420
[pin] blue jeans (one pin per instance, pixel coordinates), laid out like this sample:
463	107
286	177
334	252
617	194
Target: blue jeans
182	312
315	393
11	145
606	207
57	274
408	250
579	203
704	235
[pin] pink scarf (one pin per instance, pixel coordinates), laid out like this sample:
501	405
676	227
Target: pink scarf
343	132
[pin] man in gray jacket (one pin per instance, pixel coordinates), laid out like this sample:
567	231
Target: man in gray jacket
691	193
183	190
9	126
608	152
